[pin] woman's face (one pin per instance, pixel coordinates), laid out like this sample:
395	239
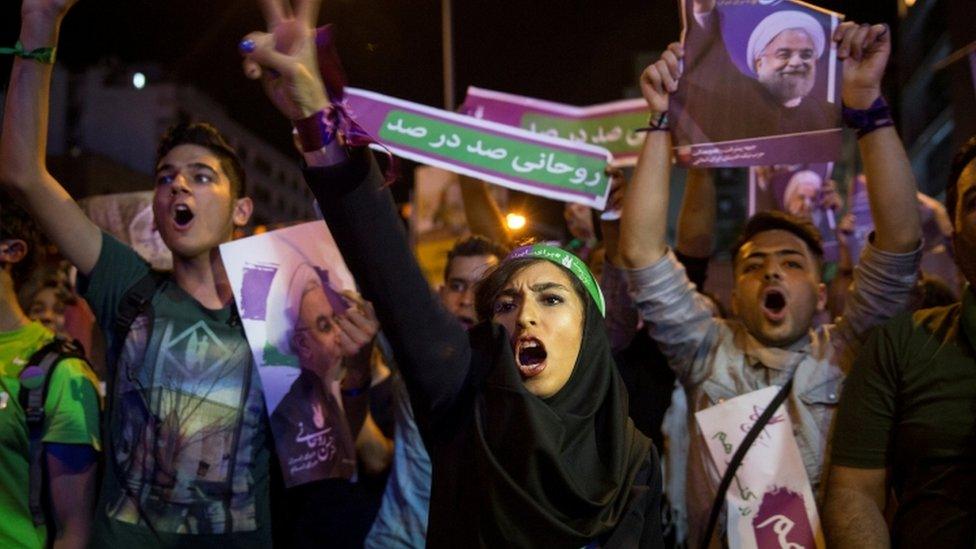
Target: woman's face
544	319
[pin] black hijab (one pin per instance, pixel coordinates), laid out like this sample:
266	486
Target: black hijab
555	472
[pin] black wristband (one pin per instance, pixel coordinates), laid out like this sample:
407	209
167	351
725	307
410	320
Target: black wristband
657	123
865	121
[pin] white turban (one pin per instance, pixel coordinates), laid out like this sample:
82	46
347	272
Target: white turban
804	178
770	27
285	301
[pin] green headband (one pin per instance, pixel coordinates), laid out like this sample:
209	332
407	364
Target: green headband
564	259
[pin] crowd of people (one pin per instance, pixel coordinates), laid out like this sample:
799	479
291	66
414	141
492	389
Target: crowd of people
544	396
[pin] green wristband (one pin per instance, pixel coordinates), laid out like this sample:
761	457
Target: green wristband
41	55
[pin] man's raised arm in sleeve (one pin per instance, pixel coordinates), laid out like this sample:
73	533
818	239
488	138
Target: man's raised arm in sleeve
678	318
886	272
23	141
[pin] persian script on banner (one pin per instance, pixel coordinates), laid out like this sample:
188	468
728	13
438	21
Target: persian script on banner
504	155
612	125
286	284
770	504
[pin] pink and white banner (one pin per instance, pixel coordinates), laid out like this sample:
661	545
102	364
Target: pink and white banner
611	125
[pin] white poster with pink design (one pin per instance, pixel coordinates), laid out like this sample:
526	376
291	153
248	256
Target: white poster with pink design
770	504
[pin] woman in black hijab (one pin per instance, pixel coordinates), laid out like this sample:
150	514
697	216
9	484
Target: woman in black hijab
524	418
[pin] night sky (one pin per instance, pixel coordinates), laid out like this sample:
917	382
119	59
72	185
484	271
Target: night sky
572	51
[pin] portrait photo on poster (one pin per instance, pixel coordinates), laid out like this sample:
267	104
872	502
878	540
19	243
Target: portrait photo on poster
804	190
288	285
760	84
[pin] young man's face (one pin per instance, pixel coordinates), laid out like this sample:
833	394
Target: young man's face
47	308
787	67
777	287
457	293
964	223
194	205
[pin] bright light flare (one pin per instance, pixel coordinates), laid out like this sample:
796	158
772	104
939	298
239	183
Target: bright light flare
515	221
138	80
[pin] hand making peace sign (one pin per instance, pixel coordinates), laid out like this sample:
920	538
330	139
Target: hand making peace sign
284	58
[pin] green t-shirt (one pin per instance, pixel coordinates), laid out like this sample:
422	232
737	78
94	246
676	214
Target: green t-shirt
187	446
910	404
70	417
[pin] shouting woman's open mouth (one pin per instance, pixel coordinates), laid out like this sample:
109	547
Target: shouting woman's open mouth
530	354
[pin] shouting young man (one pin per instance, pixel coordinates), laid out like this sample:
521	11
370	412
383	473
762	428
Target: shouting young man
777	268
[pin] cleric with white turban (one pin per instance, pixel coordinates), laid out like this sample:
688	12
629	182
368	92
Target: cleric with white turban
770	27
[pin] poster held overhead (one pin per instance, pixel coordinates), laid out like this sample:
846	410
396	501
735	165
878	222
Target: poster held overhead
760	85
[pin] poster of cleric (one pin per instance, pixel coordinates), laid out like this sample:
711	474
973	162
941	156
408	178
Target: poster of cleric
760	84
803	190
287	286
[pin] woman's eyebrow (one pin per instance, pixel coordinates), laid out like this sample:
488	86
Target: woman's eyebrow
544	286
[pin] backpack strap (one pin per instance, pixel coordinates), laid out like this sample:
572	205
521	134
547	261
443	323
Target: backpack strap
135	301
35	379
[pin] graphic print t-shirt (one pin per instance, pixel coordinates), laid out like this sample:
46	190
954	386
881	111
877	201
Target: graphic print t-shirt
187	448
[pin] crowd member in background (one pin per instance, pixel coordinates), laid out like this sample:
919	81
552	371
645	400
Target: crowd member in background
777	266
537	382
402	520
939	281
69	438
906	432
47	305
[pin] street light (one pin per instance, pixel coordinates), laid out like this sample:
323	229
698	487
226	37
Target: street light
515	221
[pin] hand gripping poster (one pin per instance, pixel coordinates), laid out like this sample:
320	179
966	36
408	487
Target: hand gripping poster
287	285
769	504
760	84
804	190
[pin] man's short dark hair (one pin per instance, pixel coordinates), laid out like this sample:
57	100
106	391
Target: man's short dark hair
965	155
16	224
472	246
775	220
210	138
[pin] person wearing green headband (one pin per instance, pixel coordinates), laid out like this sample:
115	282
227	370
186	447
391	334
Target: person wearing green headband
524	415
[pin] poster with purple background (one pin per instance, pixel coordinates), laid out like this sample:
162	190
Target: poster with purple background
804	190
760	84
287	285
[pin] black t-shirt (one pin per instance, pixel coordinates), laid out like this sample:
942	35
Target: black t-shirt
910	405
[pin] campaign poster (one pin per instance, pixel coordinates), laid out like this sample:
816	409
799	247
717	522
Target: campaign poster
760	84
803	190
287	286
770	504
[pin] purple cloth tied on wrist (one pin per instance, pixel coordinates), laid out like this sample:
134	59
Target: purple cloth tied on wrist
338	117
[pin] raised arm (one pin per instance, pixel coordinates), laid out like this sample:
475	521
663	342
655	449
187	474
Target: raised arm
23	141
696	219
645	206
891	184
431	347
482	212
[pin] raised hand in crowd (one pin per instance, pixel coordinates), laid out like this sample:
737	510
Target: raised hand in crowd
284	58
